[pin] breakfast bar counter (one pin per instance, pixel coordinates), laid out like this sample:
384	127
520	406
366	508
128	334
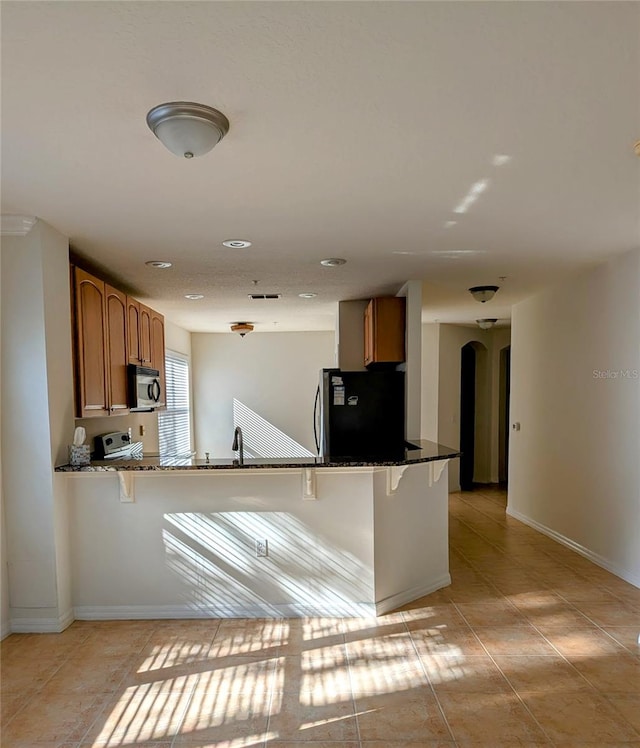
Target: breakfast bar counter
274	538
416	451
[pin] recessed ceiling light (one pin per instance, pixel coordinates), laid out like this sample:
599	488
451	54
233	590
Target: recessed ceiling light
158	264
194	296
332	262
307	295
236	243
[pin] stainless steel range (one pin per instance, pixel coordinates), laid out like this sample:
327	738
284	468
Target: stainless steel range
117	445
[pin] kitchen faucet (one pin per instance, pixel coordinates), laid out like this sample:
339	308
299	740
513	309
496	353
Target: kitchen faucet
237	445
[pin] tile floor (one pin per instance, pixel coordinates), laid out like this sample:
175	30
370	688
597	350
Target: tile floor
531	645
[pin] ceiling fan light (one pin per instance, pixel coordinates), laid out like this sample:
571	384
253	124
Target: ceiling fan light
187	129
483	293
242	328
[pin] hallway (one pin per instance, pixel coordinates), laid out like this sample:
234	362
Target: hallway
531	646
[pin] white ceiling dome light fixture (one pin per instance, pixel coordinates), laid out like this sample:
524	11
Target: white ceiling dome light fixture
236	243
187	129
483	293
332	262
486	324
160	264
242	328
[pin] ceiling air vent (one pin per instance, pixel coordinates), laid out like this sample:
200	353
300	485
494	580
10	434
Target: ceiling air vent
264	295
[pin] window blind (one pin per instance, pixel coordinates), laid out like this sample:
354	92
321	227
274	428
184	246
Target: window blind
174	423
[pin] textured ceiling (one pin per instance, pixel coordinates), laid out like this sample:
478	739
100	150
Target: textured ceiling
356	131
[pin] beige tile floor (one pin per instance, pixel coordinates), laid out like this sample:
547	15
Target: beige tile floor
530	646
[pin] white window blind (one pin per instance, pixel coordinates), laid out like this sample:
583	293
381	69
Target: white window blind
174	423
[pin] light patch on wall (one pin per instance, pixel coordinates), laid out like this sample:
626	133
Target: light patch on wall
263	439
214	554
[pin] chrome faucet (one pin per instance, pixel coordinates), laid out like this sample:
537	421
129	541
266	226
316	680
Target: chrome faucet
237	445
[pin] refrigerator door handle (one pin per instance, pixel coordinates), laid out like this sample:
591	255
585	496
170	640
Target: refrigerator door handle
315	420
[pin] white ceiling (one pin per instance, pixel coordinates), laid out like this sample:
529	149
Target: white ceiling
356	130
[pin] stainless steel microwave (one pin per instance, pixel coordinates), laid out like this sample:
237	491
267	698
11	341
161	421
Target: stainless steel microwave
145	390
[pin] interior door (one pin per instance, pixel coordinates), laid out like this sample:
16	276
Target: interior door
467	415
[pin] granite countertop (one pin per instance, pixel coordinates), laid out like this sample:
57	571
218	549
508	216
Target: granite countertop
421	450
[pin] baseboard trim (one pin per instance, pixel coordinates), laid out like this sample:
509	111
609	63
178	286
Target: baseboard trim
41	625
5	629
598	560
402	598
267	610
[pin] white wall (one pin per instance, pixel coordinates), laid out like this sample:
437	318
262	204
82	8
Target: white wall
441	362
273	375
37	422
430	379
500	339
412	292
452	339
5	627
574	466
177	339
186	547
411	537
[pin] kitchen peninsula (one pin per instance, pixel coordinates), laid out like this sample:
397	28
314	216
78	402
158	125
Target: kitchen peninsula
291	537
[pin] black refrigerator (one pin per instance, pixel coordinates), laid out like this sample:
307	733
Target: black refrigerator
360	414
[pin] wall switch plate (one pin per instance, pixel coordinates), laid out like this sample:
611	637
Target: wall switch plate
262	548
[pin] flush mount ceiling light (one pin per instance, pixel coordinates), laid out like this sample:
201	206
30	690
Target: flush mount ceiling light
483	293
332	262
242	328
158	264
187	129
236	243
486	324
194	296
307	295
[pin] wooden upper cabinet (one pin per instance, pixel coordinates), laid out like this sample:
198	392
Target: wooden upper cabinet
90	337
110	330
384	331
139	332
157	351
133	330
144	335
116	349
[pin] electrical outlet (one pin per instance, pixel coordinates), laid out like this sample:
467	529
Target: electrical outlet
262	549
